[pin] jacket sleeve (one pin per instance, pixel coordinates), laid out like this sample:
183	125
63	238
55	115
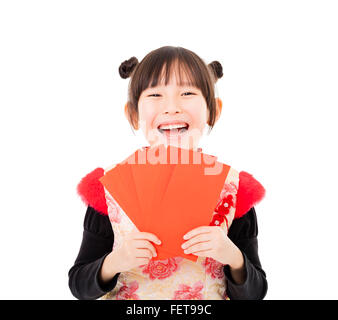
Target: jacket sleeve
97	243
243	233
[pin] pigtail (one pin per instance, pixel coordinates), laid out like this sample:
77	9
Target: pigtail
127	67
216	69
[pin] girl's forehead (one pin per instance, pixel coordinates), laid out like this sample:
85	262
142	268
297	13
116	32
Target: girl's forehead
176	79
176	72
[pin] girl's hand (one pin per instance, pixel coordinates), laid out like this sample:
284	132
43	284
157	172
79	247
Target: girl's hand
211	241
135	251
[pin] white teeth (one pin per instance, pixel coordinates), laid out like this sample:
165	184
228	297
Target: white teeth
172	126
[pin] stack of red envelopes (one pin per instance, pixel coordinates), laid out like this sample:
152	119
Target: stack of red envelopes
167	191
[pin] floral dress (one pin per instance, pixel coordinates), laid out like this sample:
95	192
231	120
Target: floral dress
175	278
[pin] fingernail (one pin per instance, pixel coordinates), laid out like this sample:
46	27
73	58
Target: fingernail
158	241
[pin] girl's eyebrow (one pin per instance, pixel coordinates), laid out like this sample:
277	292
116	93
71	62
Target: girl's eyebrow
184	84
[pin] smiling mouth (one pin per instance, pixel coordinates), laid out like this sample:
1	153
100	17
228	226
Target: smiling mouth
173	129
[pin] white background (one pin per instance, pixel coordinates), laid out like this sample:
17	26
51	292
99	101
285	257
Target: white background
62	100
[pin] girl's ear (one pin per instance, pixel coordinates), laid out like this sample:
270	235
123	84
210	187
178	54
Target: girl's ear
219	104
126	111
130	117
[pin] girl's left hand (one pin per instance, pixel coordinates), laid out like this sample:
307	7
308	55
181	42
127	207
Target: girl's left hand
210	241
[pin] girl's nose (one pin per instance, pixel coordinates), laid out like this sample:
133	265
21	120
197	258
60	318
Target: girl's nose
169	112
172	106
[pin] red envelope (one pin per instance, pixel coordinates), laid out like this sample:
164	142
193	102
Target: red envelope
189	202
164	171
146	177
167	197
120	184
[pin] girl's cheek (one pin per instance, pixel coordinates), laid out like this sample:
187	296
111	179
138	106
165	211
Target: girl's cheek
145	120
147	113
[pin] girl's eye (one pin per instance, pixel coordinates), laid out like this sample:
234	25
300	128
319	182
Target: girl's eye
157	95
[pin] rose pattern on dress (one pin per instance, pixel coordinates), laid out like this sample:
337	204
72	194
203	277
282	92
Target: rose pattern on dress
114	212
161	269
228	188
186	292
227	199
126	292
213	267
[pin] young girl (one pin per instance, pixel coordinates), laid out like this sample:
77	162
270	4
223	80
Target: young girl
171	98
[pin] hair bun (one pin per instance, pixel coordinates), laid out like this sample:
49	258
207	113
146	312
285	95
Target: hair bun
127	67
217	69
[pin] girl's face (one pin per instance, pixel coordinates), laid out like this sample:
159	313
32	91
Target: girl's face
172	114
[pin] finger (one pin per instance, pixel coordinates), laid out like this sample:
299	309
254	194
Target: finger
198	247
203	253
199	238
147	236
144	253
140	244
198	230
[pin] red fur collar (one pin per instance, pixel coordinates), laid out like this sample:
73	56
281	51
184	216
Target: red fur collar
91	191
249	193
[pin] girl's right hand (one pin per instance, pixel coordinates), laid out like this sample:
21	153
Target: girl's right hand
136	250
